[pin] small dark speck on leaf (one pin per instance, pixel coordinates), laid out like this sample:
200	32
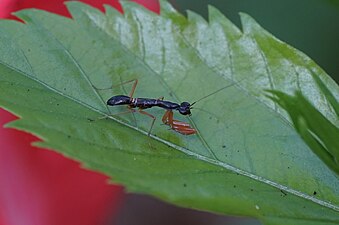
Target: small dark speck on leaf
234	186
314	193
28	90
12	84
57	104
288	167
69	136
252	189
29	50
238	174
90	120
210	117
224	146
185	185
238	151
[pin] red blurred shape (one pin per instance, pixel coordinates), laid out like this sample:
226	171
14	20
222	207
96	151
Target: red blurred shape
39	187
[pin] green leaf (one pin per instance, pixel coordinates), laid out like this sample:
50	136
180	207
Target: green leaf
247	159
328	95
320	135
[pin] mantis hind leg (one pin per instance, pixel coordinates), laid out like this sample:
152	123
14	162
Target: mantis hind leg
130	110
121	84
153	119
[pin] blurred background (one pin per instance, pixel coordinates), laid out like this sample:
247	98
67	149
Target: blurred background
35	181
311	26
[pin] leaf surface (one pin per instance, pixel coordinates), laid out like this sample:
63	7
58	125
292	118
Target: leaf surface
319	134
246	159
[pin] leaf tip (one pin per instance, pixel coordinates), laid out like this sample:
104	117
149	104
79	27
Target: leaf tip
109	10
248	23
129	6
25	14
11	124
194	17
214	13
166	7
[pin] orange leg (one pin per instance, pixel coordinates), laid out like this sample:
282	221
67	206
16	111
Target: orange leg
178	126
153	119
133	87
126	82
130	110
165	118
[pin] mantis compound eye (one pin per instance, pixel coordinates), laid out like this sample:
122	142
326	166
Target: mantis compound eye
185	108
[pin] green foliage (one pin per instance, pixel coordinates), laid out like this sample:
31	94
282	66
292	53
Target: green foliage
319	133
247	159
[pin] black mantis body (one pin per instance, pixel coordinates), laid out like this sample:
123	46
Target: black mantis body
183	108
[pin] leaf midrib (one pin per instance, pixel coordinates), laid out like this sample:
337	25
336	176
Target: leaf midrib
179	148
202	140
214	161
